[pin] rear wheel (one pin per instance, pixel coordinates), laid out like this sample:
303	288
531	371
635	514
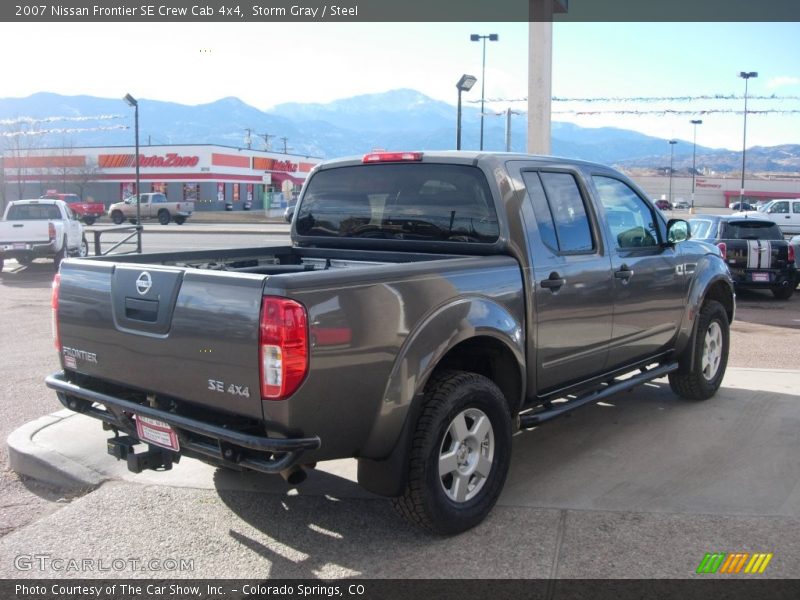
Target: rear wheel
701	379
459	456
784	292
24	260
163	217
83	248
61	254
180	220
2	263
89	220
117	217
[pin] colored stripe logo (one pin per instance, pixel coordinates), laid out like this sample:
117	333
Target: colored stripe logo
734	563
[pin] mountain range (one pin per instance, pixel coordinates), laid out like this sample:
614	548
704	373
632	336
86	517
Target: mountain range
397	119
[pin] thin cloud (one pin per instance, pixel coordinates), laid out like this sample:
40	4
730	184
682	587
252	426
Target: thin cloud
783	81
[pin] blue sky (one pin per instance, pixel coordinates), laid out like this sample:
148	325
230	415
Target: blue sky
266	64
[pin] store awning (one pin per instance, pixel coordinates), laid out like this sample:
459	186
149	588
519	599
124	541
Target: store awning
281	176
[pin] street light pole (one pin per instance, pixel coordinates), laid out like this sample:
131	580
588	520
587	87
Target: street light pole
135	104
746	75
671	159
492	37
694	122
464	85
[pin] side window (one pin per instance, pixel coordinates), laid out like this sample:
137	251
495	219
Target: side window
796	207
631	219
560	211
781	208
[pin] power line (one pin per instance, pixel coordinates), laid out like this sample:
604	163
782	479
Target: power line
646	98
35	120
11	134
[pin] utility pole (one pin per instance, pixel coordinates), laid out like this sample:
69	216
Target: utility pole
285	147
267	137
248	140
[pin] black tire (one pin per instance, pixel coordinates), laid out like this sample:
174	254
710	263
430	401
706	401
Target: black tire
60	255
89	220
2	263
83	248
701	379
428	499
24	260
784	292
163	217
133	221
117	217
180	220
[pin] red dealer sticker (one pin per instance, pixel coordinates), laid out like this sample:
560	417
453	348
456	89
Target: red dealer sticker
157	432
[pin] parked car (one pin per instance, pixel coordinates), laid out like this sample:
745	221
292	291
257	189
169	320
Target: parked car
754	249
430	305
40	228
663	205
795	244
88	212
153	205
741	206
680	204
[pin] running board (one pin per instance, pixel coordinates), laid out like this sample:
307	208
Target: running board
537	418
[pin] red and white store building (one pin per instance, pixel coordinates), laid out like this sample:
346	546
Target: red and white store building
212	176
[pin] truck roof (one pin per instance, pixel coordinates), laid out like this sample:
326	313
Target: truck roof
459	157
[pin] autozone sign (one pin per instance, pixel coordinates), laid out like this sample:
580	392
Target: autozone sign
121	161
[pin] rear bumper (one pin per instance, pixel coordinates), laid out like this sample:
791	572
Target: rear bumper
745	279
199	439
27	249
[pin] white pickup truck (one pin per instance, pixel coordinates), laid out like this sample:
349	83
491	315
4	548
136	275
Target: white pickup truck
40	229
153	205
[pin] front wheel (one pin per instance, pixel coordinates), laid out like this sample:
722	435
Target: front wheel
459	456
701	379
163	217
117	217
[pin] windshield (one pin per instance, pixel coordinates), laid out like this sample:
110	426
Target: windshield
701	229
411	201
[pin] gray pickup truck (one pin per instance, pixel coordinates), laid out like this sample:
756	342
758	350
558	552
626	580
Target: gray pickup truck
430	305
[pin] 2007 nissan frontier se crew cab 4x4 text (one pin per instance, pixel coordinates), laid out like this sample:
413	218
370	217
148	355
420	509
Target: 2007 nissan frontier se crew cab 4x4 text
430	305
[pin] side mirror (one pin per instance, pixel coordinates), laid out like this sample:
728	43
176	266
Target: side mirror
678	231
289	214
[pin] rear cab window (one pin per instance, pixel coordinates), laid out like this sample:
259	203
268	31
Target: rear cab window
398	201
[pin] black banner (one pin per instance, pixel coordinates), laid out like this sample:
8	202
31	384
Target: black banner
343	11
391	589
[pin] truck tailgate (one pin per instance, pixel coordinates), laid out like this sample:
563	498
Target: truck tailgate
24	232
190	334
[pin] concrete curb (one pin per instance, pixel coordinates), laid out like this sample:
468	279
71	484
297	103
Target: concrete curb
28	458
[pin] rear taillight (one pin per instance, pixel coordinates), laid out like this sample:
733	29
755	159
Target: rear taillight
283	347
54	307
392	157
723	249
792	257
51	231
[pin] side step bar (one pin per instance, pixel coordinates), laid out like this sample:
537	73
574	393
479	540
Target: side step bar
532	419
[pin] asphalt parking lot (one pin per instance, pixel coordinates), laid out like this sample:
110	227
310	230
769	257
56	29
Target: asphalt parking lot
641	487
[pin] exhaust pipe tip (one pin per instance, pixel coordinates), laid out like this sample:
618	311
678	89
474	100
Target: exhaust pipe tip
294	475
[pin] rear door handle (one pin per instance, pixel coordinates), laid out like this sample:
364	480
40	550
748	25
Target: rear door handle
554	282
624	273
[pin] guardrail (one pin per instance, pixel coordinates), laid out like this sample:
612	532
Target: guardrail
131	230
